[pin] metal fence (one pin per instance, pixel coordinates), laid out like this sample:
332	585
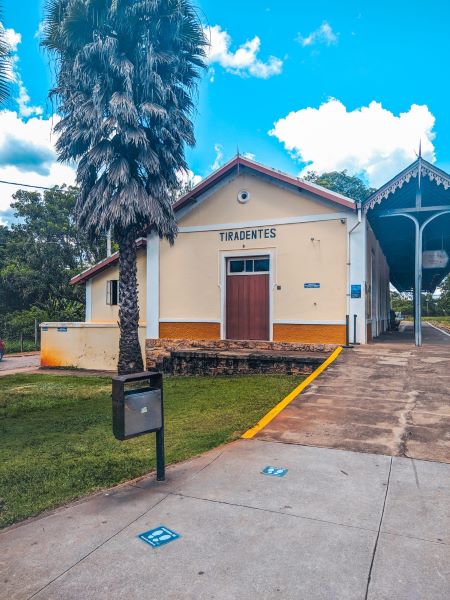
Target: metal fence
23	337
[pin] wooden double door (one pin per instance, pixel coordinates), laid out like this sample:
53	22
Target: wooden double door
247	298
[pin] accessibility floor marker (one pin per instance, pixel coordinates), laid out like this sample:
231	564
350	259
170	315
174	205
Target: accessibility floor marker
159	536
274	471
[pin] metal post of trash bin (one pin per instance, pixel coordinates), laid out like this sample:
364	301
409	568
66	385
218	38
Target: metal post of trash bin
160	461
160	458
139	410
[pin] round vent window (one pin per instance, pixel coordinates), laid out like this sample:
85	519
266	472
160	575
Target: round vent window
243	196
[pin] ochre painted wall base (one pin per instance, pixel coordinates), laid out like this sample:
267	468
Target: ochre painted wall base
308	334
314	334
189	331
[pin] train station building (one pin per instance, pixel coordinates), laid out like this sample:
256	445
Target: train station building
262	259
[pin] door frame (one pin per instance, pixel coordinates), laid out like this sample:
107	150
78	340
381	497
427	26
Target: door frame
245	252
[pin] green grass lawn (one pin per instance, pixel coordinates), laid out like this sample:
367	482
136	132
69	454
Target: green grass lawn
56	441
443	320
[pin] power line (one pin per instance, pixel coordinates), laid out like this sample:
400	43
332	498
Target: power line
37	187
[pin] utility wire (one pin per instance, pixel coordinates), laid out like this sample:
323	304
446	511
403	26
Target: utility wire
37	187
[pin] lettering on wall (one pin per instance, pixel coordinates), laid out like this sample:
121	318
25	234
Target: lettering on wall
248	234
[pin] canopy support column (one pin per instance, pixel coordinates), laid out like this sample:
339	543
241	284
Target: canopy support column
417	275
418	286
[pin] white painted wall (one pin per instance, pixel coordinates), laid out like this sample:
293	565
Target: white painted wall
357	260
88	300
152	283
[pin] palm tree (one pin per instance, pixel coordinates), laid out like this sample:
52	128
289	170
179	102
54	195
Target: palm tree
5	62
126	73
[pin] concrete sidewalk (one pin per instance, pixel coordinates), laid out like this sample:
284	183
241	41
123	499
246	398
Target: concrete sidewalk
339	525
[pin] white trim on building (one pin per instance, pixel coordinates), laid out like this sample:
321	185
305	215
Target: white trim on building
153	249
88	301
266	223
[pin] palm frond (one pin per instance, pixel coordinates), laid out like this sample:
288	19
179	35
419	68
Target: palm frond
126	73
5	62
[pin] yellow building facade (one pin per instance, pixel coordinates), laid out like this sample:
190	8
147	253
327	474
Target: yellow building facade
260	255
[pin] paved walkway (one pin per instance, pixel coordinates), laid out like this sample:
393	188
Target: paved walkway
29	362
339	526
19	363
389	398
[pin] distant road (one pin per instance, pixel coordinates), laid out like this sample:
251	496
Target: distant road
19	363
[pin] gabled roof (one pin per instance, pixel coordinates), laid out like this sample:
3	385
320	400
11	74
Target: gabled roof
420	192
239	162
419	167
102	265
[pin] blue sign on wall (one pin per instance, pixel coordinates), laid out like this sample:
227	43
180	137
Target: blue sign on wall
312	285
159	536
62	329
355	291
274	471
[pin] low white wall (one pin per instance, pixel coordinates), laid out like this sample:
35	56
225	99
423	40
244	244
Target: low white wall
82	345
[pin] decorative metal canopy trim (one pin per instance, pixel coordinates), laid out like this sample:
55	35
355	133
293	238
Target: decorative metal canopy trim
384	192
436	175
421	166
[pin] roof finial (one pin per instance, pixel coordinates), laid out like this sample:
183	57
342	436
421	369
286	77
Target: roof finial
420	148
237	150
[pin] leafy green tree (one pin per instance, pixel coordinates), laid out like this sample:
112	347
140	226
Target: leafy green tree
4	236
184	185
429	305
126	72
402	303
340	181
443	302
40	252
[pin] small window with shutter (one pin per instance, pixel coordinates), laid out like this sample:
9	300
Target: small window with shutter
112	292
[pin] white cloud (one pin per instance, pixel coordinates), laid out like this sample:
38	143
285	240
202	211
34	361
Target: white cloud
244	61
188	178
39	33
23	99
27	151
13	38
28	156
322	35
370	140
218	149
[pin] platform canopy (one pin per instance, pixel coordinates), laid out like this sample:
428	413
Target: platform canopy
410	216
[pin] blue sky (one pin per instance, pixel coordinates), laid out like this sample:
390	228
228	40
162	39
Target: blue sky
331	85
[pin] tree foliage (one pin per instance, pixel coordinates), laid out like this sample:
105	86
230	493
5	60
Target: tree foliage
433	305
127	69
402	303
39	253
443	302
340	181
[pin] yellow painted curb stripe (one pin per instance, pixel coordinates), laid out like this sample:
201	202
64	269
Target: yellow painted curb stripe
281	405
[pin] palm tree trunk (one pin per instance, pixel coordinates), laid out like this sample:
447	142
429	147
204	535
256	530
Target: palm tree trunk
130	355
